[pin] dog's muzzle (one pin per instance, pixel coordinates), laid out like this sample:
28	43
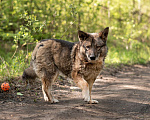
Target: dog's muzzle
92	57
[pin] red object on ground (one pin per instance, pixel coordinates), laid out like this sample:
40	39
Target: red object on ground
5	86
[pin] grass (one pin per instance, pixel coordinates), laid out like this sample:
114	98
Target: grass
14	66
133	56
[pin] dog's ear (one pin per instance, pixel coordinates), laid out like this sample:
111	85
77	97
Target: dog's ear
103	34
82	35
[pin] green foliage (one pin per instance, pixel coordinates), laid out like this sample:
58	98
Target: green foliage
14	66
30	27
23	23
137	55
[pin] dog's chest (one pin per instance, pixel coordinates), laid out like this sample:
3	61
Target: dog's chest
91	70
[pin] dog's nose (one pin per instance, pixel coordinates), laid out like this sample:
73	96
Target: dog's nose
92	57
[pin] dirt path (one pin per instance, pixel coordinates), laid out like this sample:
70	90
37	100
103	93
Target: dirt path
123	93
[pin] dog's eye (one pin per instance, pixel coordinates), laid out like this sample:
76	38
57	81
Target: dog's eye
103	45
87	47
98	47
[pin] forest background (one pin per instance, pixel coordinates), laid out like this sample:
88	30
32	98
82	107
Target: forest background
25	22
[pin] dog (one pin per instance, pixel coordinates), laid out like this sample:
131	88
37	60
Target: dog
81	61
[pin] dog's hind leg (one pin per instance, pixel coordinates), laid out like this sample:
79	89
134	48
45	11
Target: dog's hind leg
47	82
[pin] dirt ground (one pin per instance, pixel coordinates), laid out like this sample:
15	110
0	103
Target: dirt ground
123	93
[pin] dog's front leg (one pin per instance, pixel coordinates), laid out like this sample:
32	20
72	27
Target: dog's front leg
90	82
81	83
86	87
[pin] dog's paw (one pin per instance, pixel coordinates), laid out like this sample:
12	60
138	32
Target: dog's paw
87	98
55	100
51	101
46	98
93	102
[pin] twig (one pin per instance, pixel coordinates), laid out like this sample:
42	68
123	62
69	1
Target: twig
67	29
21	48
14	53
5	65
26	44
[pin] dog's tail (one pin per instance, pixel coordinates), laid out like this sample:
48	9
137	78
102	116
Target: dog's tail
29	73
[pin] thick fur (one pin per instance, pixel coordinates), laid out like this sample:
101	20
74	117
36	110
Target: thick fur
80	61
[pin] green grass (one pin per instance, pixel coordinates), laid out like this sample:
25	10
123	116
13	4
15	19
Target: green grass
133	56
12	65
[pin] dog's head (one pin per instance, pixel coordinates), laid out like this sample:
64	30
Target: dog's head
93	45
